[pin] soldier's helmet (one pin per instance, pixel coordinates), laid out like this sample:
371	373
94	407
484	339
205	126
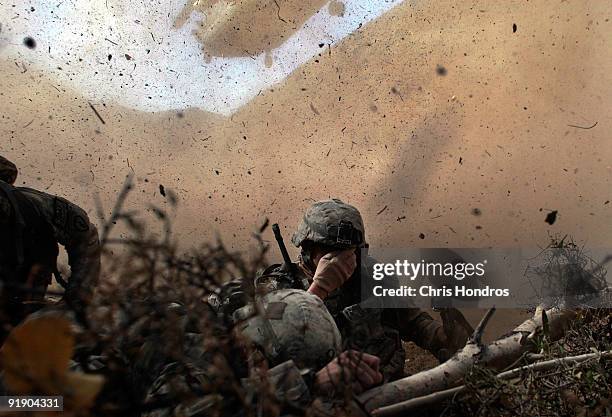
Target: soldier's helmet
332	223
8	171
297	326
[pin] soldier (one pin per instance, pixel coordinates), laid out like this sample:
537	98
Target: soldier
32	223
329	235
292	348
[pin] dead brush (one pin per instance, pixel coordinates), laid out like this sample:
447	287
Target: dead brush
149	333
567	387
151	314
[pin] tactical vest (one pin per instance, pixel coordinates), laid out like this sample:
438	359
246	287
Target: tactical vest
28	248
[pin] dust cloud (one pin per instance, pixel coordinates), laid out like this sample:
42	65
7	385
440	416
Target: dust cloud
429	114
239	28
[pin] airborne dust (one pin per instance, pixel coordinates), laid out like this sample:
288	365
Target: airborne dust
467	122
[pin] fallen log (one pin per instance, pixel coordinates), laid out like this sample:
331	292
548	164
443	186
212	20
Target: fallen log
496	355
403	407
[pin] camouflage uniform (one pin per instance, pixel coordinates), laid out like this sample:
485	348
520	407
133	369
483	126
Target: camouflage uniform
377	331
295	337
32	224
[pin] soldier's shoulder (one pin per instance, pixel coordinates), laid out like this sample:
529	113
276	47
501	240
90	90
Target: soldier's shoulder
272	270
34	194
50	199
276	277
63	214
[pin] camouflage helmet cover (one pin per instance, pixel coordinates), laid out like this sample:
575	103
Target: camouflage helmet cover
332	223
8	171
303	329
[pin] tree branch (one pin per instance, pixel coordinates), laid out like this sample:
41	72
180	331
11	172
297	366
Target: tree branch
415	403
496	355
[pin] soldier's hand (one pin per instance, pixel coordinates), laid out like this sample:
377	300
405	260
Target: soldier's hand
332	271
358	370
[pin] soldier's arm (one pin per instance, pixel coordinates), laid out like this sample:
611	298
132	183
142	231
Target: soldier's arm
415	325
80	238
441	339
418	326
74	231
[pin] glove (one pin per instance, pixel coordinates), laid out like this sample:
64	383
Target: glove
333	270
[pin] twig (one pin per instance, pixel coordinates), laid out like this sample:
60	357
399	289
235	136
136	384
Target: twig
479	330
584	127
524	356
278	12
108	225
96	112
545	365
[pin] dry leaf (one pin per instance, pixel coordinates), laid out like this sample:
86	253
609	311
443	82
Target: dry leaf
35	358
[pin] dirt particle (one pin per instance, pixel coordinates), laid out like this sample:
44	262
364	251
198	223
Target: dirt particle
421	235
336	8
162	190
476	211
514	28
551	217
314	109
29	42
441	70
